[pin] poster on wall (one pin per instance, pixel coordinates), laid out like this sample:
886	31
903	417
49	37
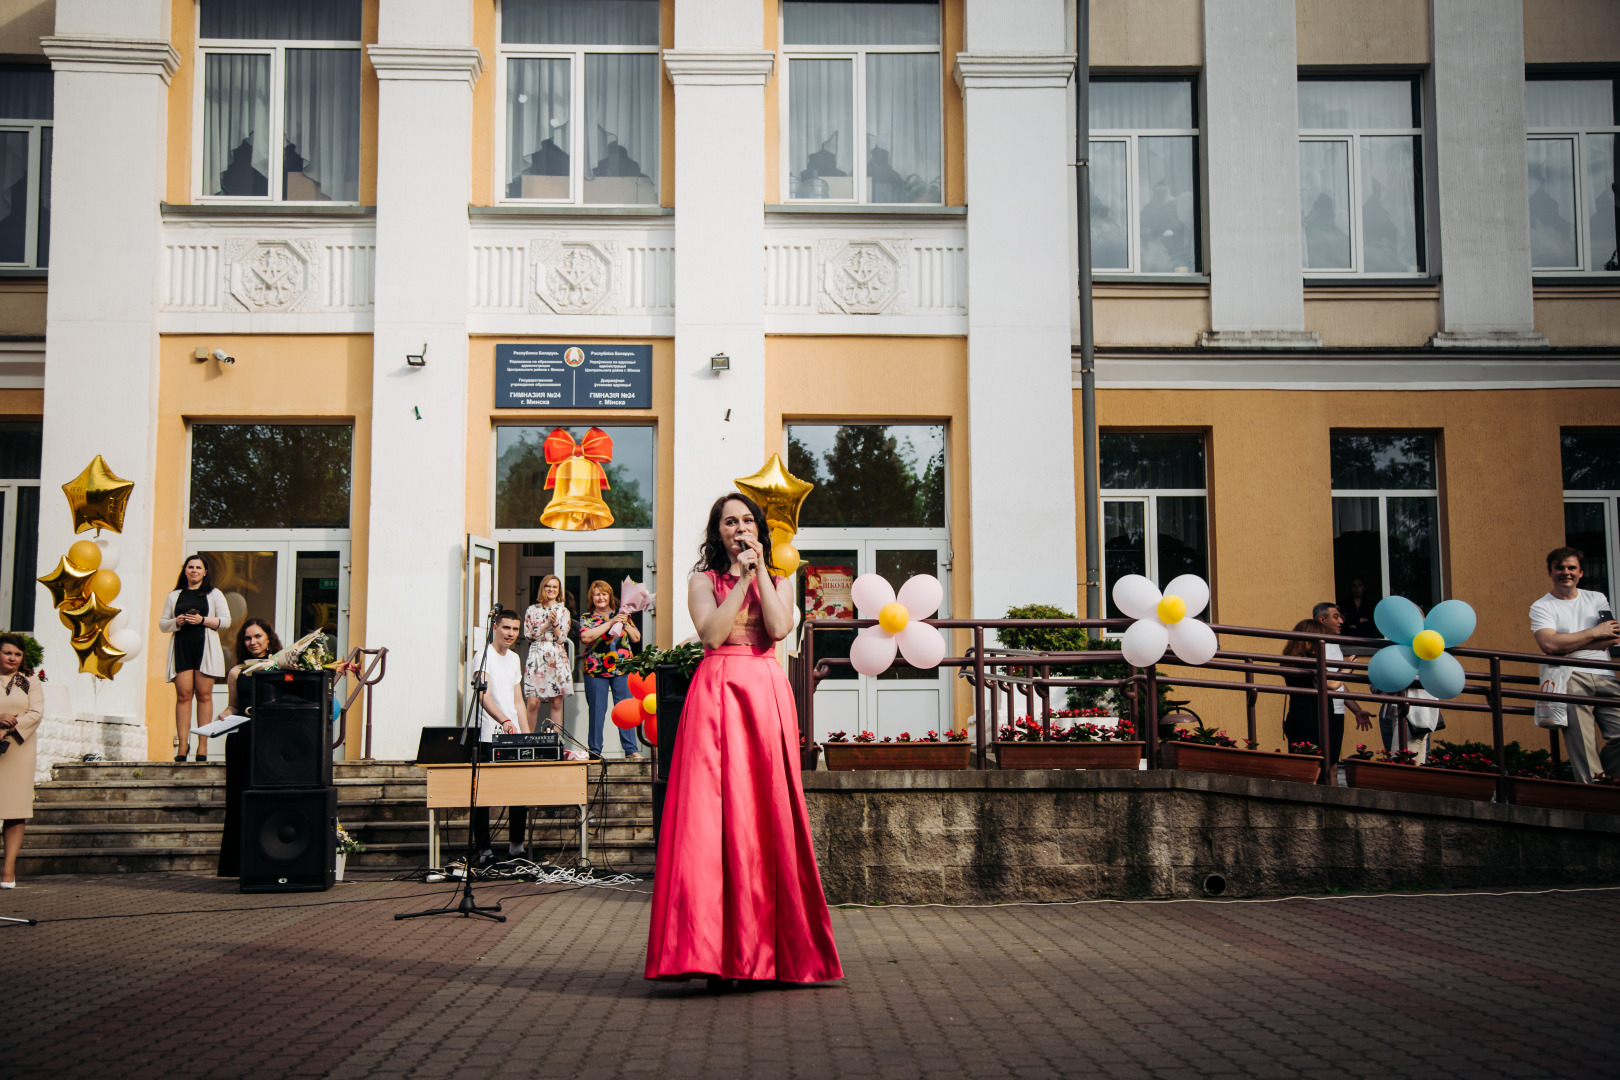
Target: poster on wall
573	376
827	592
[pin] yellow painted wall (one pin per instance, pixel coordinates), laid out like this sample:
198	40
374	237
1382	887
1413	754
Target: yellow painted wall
1271	509
23	23
22	307
1170	315
280	378
1578	315
1331	32
1147	33
482	419
183	104
1571	31
901	380
1358	317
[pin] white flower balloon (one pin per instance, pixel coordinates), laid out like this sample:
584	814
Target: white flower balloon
1165	620
900	623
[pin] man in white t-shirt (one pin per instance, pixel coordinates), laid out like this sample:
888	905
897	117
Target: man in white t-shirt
501	710
1567	622
1328	615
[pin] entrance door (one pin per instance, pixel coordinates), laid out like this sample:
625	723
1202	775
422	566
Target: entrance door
295	585
578	563
902	699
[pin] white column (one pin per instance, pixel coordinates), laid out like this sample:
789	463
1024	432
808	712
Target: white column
719	71
426	65
1015	78
1251	144
1481	186
113	62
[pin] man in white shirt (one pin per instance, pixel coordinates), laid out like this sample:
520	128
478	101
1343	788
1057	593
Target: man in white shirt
501	710
1567	622
1329	616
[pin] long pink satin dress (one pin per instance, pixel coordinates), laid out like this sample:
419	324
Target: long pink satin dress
737	894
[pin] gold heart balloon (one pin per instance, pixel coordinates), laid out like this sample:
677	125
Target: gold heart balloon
98	498
97	656
778	492
66	583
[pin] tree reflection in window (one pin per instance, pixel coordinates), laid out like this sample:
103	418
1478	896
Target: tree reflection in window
1373	460
870	475
270	476
1591	459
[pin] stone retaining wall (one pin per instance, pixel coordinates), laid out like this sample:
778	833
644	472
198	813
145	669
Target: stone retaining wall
981	837
66	737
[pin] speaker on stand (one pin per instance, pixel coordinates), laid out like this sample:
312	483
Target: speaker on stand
289	810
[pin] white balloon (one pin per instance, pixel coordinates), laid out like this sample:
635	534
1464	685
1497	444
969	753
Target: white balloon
921	596
1193	641
922	645
236	603
126	641
1144	643
1192	589
109	553
871	654
1137	597
871	595
119	621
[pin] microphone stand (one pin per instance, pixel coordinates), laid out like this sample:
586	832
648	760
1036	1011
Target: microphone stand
472	727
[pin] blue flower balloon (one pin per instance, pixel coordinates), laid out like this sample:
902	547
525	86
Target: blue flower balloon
1420	646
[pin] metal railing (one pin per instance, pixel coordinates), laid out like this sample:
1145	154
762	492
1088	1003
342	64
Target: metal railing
994	673
369	676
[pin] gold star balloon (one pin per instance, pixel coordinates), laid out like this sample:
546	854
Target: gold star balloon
779	493
97	656
88	617
66	583
98	498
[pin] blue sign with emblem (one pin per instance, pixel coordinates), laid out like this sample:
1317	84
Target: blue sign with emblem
573	376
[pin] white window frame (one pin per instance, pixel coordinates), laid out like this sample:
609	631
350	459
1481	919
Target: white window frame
276	49
1577	135
575	54
857	55
1149	498
1133	189
1383	495
8	540
1351	138
36	142
1610	501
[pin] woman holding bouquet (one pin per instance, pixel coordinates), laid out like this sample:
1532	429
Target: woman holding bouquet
606	634
737	895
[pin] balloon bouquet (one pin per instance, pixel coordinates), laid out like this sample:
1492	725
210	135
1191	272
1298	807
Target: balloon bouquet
85	583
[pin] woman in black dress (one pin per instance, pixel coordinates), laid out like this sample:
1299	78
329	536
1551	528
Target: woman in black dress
194	614
1302	723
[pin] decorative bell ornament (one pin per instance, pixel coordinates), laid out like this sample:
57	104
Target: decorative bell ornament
578	478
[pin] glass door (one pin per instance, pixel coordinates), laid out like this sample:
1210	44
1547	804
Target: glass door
579	563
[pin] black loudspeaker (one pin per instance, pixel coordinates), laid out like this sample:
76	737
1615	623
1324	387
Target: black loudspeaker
287	688
289	840
288	747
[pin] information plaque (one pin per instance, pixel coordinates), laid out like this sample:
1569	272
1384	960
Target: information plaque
573	376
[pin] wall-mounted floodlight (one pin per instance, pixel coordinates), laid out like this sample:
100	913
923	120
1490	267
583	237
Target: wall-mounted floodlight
719	362
417	359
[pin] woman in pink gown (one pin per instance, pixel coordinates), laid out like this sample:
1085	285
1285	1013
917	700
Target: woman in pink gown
737	894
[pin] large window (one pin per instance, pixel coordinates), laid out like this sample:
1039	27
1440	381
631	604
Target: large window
1572	129
1155	507
1592	502
581	86
25	165
1386	515
521	495
1361	176
1144	176
280	100
878	476
862	102
270	476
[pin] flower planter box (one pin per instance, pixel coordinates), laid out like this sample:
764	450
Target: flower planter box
1198	757
854	757
1419	780
1068	755
808	756
1563	795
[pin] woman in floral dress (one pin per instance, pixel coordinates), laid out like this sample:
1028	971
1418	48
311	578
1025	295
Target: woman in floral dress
547	677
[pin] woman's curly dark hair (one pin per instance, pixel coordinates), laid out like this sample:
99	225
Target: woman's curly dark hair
713	554
242	653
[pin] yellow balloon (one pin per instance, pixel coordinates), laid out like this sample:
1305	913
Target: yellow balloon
778	492
1428	645
67	583
87	617
97	657
784	557
105	585
650	703
85	555
1172	609
98	498
894	617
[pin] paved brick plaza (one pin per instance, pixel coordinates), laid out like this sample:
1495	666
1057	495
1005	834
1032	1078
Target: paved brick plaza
330	985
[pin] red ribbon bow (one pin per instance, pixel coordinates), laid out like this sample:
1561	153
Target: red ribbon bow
596	447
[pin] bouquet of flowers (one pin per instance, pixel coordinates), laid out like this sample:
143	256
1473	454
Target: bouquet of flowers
312	652
633	597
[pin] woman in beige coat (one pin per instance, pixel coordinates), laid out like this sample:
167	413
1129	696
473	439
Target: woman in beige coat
22	702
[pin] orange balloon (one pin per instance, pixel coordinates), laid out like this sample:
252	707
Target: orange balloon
85	556
649	729
627	713
641	686
105	584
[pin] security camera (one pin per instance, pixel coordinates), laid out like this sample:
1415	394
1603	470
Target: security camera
224	357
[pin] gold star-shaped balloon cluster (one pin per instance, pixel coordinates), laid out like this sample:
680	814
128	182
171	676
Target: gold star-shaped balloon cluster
84	583
781	495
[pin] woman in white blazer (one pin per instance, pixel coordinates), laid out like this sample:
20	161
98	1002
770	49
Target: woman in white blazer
194	614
